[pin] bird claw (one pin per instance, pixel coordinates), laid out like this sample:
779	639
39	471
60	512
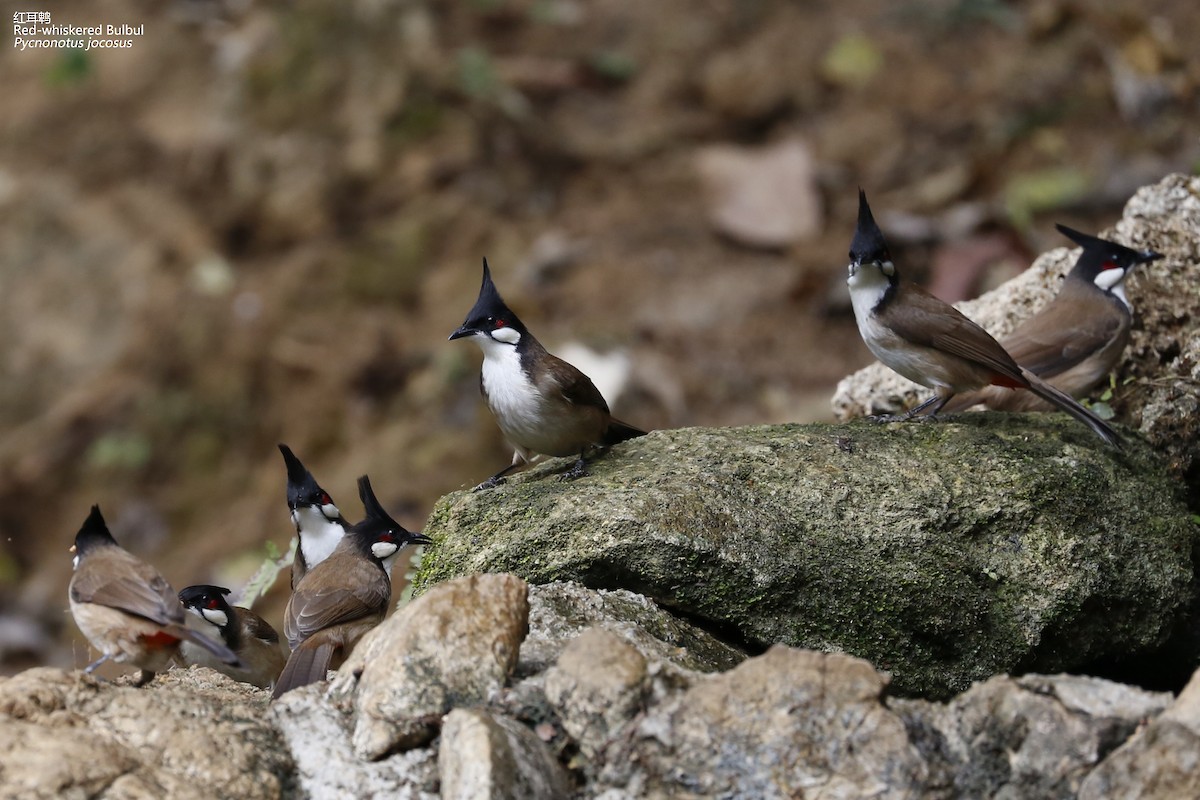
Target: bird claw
490	483
887	418
575	472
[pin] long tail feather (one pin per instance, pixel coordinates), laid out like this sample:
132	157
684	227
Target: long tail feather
216	648
1064	401
619	432
308	663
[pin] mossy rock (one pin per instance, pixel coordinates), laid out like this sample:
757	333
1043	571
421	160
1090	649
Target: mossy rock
942	552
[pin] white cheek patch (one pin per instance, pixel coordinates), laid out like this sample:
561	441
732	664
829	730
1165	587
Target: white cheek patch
382	550
506	335
330	511
75	563
887	268
215	615
1109	278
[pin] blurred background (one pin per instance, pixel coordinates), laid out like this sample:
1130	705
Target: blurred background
261	221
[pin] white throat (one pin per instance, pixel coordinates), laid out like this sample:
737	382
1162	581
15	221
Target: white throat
1113	280
511	396
867	285
318	535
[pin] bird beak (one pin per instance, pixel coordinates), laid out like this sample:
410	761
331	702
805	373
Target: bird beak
71	549
460	333
1146	256
420	538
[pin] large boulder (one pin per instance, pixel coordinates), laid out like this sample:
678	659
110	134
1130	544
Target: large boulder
944	553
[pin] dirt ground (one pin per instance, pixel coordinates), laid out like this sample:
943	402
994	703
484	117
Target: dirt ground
259	224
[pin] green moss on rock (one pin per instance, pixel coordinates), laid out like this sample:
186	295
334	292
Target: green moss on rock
944	553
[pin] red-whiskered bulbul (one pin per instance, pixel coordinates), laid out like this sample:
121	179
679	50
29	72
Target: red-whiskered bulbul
343	597
125	608
248	635
319	523
929	341
544	406
1076	339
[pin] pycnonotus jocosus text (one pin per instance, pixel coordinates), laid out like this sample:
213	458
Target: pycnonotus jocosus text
930	342
1076	339
544	406
343	597
319	523
125	608
248	635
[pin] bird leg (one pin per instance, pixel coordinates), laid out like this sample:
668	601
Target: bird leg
90	668
144	677
937	401
497	479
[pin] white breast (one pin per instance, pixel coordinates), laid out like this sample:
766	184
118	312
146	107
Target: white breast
318	536
511	396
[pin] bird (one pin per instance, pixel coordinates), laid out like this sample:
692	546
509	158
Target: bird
543	405
245	633
343	597
125	608
1076	339
319	522
930	342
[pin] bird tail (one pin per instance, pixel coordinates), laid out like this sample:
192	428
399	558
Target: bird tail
618	431
1065	402
308	663
220	651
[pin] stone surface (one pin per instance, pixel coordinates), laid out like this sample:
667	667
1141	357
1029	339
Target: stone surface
316	732
560	611
1034	736
785	724
189	734
860	538
597	686
1161	762
1162	362
455	646
483	756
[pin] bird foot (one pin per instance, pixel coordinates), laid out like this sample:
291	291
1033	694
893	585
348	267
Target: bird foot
575	472
887	418
145	677
490	483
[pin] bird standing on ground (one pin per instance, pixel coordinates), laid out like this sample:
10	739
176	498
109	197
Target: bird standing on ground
125	608
319	523
248	635
543	405
929	341
343	597
1076	339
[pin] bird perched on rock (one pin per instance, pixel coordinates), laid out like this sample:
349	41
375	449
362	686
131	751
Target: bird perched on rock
125	608
343	597
929	341
319	523
248	635
543	405
1076	339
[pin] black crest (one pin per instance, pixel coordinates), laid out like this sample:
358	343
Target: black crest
1101	254
93	534
302	487
489	312
198	596
868	244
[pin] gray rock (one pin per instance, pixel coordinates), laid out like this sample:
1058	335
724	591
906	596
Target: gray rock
316	732
483	756
190	734
1162	362
560	611
1161	762
861	538
1031	737
785	724
598	685
455	646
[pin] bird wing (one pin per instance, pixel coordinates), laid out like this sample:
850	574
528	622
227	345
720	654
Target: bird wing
256	626
1046	344
361	588
576	387
128	584
933	323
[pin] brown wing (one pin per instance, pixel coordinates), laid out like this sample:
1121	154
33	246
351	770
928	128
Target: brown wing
342	588
256	626
932	323
112	577
576	387
1050	342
